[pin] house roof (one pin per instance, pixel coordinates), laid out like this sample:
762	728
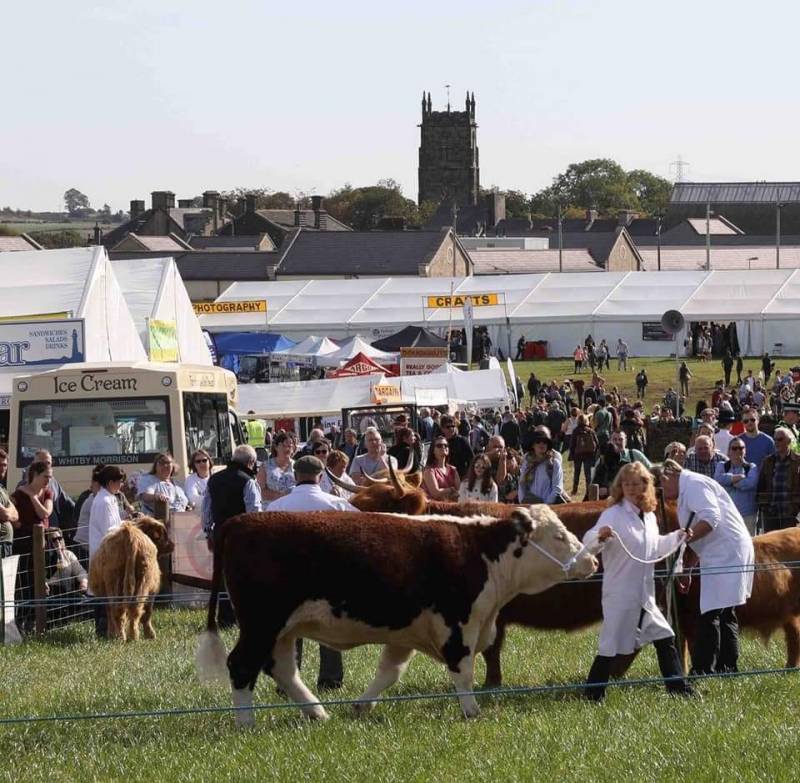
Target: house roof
319	253
228	243
18	242
168	244
209	265
735	193
682	258
285	218
520	262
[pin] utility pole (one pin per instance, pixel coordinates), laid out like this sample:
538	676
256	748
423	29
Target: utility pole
659	218
455	233
560	242
708	236
778	206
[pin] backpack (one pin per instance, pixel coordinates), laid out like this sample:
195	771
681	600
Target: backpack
745	465
584	443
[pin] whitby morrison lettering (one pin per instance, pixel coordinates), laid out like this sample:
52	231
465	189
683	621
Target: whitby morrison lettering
93	383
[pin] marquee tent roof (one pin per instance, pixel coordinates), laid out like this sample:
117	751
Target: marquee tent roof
360	364
70	283
250	343
153	289
342	306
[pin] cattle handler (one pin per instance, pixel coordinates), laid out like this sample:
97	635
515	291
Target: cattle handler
627	533
230	492
725	550
306	495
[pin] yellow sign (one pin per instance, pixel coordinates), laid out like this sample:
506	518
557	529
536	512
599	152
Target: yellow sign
36	317
163	340
478	300
383	393
230	308
414	352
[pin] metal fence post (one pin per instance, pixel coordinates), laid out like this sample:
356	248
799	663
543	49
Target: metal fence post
39	594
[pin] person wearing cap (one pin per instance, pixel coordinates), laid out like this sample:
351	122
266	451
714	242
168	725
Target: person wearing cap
725	549
790	421
541	476
306	495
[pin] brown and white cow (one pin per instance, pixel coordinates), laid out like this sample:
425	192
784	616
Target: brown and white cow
346	579
125	569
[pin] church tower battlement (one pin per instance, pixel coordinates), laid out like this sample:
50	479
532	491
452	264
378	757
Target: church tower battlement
448	154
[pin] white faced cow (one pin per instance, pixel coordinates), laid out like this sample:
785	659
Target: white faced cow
434	584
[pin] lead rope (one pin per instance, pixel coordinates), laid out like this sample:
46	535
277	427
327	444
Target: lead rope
627	551
565	567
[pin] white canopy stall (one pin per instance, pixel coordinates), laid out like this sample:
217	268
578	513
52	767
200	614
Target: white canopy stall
56	290
559	308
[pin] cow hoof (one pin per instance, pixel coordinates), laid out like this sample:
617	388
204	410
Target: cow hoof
149	633
363	707
316	713
245	720
472	711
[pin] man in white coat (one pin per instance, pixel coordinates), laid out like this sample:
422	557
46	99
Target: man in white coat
306	495
628	536
725	550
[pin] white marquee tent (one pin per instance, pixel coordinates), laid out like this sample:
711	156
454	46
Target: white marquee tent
48	285
153	288
311	347
328	397
559	308
352	347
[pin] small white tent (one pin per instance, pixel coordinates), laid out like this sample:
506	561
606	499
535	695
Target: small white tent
153	289
353	347
311	347
48	286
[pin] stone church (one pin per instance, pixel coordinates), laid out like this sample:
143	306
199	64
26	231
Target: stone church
448	154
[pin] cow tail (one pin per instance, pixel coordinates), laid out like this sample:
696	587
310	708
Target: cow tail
211	657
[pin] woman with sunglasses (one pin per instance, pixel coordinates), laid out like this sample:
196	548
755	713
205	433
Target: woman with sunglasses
440	480
197	481
158	484
740	480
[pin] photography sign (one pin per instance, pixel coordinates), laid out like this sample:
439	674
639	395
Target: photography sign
39	343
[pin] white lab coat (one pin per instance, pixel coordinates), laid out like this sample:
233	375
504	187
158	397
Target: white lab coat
628	586
728	545
309	497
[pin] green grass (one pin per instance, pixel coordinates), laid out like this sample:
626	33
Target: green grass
27	227
740	730
660	372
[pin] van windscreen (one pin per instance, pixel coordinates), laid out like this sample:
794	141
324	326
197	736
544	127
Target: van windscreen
87	432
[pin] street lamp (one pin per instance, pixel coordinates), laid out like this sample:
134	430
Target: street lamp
659	215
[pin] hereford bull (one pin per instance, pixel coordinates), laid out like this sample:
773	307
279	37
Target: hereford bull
125	568
344	579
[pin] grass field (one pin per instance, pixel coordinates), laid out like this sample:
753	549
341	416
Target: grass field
660	372
745	729
26	228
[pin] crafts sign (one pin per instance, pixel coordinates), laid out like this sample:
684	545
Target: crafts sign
37	343
458	300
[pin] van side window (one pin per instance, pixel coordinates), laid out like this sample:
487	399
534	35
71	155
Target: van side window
207	425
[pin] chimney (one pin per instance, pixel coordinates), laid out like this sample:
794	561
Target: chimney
98	234
625	217
185	203
320	215
219	213
250	203
210	198
299	216
137	207
162	199
240	206
591	216
496	206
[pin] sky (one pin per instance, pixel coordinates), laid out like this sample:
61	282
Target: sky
119	99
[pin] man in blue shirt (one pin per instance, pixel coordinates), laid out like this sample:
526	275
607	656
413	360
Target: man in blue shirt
758	445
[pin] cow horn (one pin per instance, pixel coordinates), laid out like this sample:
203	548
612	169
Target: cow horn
410	463
393	476
340	483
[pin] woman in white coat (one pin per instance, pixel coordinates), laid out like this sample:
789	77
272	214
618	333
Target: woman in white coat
723	545
627	533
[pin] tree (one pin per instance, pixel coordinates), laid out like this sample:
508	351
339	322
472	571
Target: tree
652	191
74	201
602	184
269	199
362	208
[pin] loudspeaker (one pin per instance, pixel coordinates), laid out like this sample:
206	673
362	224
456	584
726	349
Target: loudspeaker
672	321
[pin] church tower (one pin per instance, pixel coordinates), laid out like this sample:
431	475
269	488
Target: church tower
448	154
